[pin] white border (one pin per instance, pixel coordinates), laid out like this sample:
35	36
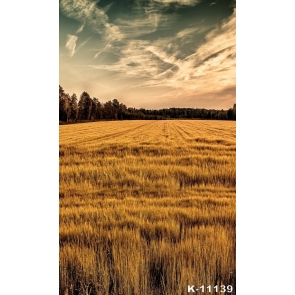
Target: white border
29	147
265	147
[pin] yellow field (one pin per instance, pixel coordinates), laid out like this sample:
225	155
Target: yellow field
147	207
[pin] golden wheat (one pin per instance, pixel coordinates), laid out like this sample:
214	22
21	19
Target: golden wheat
147	207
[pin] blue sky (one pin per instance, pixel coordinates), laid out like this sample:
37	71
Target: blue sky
150	53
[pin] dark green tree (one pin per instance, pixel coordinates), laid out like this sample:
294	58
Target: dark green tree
64	105
85	106
74	108
108	111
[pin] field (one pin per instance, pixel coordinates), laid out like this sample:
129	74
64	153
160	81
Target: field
147	207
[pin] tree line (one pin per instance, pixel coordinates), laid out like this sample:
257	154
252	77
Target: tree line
72	110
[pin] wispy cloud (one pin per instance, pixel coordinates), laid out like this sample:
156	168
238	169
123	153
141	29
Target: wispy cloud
143	18
138	25
213	3
210	69
150	47
191	31
181	2
135	60
88	12
71	44
82	44
80	28
106	8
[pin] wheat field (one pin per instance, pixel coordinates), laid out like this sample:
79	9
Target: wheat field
147	207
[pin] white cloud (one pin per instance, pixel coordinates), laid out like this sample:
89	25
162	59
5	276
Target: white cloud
82	44
181	2
135	27
71	44
80	28
106	8
136	61
112	32
212	68
163	55
220	38
87	12
141	20
191	31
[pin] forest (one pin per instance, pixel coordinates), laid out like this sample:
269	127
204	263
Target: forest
86	109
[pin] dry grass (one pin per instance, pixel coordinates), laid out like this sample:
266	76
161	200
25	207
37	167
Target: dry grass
147	207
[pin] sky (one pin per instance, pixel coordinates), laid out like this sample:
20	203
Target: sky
150	53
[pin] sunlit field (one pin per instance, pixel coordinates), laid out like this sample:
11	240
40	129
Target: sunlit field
147	207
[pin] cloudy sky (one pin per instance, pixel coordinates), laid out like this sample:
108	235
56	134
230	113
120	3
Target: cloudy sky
150	53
